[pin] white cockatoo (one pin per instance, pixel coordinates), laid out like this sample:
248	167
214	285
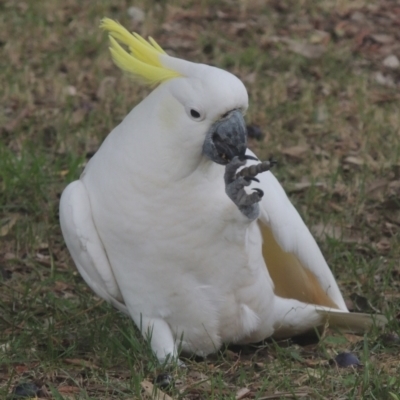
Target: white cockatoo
168	224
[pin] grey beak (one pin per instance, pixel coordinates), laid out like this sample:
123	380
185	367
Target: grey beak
226	139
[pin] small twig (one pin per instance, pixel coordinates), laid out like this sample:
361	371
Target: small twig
288	395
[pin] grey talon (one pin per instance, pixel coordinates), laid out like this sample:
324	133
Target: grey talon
247	157
272	161
251	178
256	169
231	168
259	191
234	188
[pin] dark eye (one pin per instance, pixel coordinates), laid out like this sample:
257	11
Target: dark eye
226	114
194	113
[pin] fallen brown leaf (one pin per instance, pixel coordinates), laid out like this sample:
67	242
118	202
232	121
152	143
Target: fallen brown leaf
390	296
78	116
354	160
8	223
70	90
302	186
305	49
105	85
384	80
153	392
295	151
383	97
60	286
352	338
318	37
391	62
311	373
68	389
383	246
314	363
382	38
9	127
242	393
377	185
335	206
81	363
322	231
286	395
21	368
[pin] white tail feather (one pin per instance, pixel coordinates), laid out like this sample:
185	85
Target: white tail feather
352	322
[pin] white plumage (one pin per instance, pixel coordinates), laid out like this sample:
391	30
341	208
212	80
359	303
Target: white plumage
152	230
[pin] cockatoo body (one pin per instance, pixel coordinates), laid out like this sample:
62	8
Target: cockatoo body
161	224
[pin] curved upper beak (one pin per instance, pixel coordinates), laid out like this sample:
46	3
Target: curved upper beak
226	139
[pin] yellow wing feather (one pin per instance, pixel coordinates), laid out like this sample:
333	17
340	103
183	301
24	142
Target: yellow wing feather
291	279
143	63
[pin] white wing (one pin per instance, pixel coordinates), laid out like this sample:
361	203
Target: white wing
293	258
85	246
299	270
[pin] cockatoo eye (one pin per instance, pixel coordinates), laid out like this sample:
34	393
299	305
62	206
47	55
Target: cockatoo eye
195	114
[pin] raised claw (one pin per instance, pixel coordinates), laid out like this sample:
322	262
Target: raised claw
235	182
256	169
251	178
247	157
259	191
272	161
231	168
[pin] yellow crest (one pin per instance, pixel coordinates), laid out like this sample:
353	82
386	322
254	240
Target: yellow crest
143	61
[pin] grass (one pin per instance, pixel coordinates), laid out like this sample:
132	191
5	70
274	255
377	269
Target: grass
334	130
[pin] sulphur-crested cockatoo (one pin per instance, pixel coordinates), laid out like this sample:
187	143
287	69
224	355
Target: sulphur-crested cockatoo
162	225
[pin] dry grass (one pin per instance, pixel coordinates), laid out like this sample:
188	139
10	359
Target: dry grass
329	111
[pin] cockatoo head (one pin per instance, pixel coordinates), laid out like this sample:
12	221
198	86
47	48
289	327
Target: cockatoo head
207	103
